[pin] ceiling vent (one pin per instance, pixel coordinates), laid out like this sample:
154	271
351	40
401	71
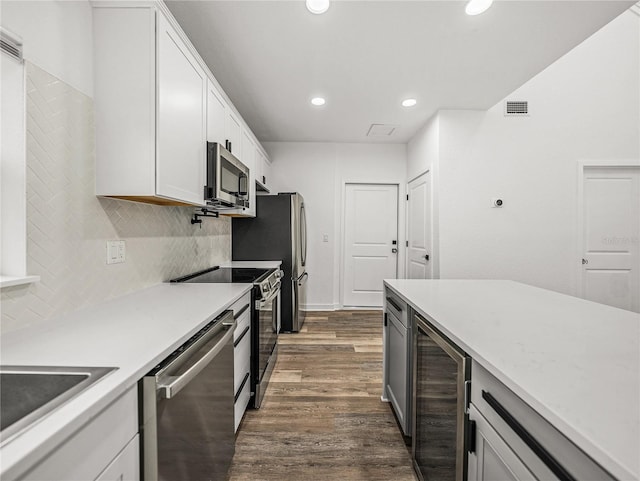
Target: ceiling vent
10	44
516	108
381	130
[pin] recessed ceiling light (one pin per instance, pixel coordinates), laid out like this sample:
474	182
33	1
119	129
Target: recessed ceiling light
476	7
409	102
318	101
317	6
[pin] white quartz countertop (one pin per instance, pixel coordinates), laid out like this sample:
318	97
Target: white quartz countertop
255	264
576	362
133	333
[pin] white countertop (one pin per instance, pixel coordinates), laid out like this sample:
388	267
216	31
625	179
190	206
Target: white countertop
577	363
133	333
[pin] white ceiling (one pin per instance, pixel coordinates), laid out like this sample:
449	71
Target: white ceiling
272	57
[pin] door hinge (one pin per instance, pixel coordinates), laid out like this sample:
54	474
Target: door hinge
385	319
471	436
407	196
406	243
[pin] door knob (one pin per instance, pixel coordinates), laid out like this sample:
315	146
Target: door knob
426	257
394	250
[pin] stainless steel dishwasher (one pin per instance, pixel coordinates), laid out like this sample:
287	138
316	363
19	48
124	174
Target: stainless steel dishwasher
187	408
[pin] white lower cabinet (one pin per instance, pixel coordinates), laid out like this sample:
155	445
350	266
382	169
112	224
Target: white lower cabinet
513	442
126	466
242	357
493	459
397	353
91	452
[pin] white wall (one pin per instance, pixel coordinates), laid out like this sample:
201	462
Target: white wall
57	36
423	154
584	106
319	172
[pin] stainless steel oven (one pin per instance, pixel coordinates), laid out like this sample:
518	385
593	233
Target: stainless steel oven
266	338
264	317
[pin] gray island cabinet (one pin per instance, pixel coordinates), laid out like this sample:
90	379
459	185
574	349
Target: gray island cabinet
504	381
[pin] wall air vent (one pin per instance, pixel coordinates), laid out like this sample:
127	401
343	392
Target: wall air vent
10	44
381	130
515	108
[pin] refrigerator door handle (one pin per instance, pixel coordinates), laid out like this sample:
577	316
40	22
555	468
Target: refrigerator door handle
303	278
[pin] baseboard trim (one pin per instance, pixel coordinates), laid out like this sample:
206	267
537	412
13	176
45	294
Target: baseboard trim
337	307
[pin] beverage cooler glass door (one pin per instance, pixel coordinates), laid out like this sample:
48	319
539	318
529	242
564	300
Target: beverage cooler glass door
440	372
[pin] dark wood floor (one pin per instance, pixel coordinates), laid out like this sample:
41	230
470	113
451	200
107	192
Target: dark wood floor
322	418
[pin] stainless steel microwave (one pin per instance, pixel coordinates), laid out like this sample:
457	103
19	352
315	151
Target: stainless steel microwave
227	178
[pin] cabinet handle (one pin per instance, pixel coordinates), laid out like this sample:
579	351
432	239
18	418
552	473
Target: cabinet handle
395	306
241	311
244	381
244	333
554	466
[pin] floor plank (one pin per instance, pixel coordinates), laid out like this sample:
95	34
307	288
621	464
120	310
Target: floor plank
322	418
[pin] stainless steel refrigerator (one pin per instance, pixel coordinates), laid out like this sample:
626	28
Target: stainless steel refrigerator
278	232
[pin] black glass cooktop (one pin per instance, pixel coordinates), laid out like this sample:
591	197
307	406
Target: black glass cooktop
219	275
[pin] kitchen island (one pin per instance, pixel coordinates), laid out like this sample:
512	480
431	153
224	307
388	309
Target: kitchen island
576	363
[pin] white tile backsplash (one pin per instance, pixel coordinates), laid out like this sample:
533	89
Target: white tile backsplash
68	226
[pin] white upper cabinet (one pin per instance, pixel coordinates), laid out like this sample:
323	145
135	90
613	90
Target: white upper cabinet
156	106
264	172
234	136
216	115
181	121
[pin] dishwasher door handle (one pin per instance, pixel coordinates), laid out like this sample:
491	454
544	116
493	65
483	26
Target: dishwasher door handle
169	386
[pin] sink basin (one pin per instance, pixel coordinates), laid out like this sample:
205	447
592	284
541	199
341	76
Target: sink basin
28	393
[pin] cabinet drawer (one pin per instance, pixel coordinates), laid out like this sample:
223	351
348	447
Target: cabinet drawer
91	449
126	466
396	306
242	323
242	402
521	427
241	313
241	359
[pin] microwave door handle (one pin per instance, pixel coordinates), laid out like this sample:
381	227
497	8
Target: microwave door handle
242	191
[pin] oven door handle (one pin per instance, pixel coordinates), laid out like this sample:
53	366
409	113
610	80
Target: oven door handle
274	293
169	386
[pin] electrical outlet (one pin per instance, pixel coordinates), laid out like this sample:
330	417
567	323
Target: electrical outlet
116	252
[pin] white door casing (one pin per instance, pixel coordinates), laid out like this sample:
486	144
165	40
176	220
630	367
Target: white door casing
419	240
610	235
370	228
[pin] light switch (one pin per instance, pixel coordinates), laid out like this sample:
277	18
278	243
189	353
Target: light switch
115	251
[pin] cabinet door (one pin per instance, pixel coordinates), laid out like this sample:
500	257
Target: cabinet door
249	159
492	458
216	115
126	466
266	172
397	368
234	134
181	122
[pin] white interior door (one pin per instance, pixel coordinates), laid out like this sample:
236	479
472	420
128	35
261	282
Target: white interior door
611	236
370	240
419	228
